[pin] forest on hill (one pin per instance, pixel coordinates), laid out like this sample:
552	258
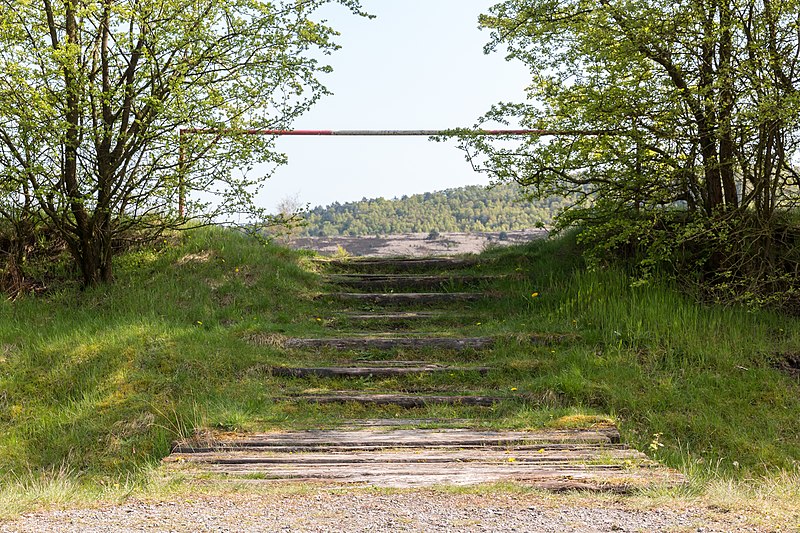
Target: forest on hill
463	209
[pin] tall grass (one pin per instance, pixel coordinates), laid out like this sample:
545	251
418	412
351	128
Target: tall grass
700	376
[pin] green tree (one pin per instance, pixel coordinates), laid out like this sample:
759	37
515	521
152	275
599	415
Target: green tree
698	100
94	91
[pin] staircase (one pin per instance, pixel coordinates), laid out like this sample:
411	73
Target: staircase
399	335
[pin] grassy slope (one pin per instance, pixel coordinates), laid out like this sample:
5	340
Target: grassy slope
105	379
698	376
98	383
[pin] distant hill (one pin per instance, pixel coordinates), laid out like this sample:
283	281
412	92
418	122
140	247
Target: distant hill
464	209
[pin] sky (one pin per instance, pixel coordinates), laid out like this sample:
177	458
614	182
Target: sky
418	65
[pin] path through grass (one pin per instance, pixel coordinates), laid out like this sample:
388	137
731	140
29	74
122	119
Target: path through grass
95	385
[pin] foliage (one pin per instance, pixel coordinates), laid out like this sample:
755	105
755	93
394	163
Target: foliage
690	105
465	209
30	256
93	94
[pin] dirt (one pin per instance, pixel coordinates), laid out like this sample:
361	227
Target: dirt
788	363
415	244
406	511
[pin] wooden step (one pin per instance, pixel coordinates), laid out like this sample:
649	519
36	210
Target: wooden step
405	315
402	316
554	476
392	423
399	321
399	282
540	455
369	439
372	371
401	264
423	341
390	343
549	459
408	401
404	298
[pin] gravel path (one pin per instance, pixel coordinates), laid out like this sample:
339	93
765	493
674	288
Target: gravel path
415	244
411	511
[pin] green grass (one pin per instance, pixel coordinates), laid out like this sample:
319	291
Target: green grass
96	384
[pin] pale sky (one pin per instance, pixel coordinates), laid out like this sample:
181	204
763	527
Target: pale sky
418	65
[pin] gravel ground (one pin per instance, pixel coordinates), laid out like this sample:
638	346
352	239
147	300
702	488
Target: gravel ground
415	244
412	511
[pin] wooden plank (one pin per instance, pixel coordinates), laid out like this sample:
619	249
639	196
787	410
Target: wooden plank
389	343
405	298
407	282
596	471
407	476
442	278
387	423
396	438
395	363
595	457
400	316
402	400
552	459
380	447
371	371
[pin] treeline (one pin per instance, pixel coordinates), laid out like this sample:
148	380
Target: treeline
463	209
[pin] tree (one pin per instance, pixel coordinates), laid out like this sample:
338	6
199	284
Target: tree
696	101
290	216
94	91
698	97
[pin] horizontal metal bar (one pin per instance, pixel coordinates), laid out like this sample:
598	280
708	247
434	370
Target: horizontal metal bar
392	133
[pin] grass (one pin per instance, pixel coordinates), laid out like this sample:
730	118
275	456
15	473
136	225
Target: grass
96	384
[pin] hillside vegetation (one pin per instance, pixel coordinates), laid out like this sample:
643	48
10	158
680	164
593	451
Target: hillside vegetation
95	384
463	209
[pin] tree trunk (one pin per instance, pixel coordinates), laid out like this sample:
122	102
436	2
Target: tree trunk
727	145
94	257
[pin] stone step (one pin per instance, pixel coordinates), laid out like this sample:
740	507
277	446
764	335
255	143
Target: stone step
554	459
372	371
404	298
400	282
400	264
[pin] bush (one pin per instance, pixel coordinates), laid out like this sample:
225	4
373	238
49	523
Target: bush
726	258
432	236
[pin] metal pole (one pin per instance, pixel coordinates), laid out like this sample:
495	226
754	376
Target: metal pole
394	133
181	172
358	133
